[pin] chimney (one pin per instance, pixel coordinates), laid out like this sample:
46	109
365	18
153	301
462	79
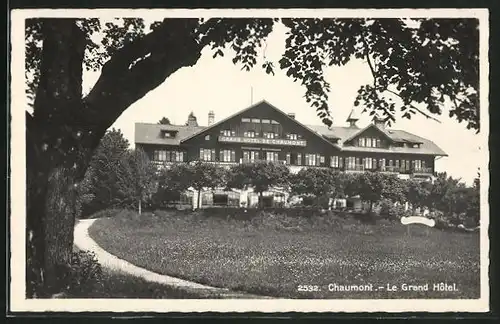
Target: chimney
211	117
291	115
352	119
192	122
379	122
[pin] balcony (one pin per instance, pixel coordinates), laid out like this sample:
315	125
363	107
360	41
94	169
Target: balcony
391	169
423	171
261	140
354	168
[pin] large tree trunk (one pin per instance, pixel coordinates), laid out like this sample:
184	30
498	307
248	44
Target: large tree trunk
51	150
65	129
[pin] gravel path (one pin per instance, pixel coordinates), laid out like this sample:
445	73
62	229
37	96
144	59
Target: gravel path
84	242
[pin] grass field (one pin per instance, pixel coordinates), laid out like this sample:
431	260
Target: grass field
280	256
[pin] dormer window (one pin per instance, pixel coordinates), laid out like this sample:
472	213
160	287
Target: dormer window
168	134
207	138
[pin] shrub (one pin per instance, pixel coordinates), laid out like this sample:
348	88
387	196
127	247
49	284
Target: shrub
85	273
388	210
109	212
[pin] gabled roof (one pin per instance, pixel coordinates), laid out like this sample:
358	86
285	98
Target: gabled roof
360	131
396	135
253	106
151	133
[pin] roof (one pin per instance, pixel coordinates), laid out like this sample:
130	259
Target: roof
347	133
151	134
255	105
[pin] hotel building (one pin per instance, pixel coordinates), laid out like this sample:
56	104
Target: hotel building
264	132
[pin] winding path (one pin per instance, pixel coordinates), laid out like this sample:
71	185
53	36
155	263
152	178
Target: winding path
83	241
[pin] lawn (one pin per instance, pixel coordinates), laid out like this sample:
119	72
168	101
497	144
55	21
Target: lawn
280	256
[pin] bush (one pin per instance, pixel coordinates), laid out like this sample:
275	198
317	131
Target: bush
392	212
85	273
388	210
109	212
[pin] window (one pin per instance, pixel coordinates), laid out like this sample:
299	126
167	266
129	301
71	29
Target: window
266	121
397	164
310	159
270	135
245	120
374	162
272	156
226	132
350	162
390	163
250	156
288	158
168	156
179	156
322	159
207	138
369	142
379	143
382	164
299	159
256	120
418	164
334	161
407	165
227	156
167	134
207	154
160	155
368	163
249	134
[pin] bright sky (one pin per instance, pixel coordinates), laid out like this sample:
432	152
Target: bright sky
218	85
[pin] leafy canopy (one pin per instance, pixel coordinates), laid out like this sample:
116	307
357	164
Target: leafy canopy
424	66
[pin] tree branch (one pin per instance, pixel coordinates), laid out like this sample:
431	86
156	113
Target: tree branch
414	107
139	67
374	74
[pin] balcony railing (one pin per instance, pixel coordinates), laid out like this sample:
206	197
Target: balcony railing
356	167
423	171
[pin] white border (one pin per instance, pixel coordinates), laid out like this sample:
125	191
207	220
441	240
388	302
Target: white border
18	178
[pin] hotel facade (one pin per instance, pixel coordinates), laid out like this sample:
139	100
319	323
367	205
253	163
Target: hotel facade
264	132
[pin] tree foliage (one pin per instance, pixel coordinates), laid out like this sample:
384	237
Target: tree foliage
171	183
137	179
414	62
317	182
203	175
106	168
260	176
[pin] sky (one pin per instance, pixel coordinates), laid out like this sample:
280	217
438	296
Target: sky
220	86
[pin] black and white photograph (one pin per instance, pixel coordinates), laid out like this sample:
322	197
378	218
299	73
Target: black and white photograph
256	160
